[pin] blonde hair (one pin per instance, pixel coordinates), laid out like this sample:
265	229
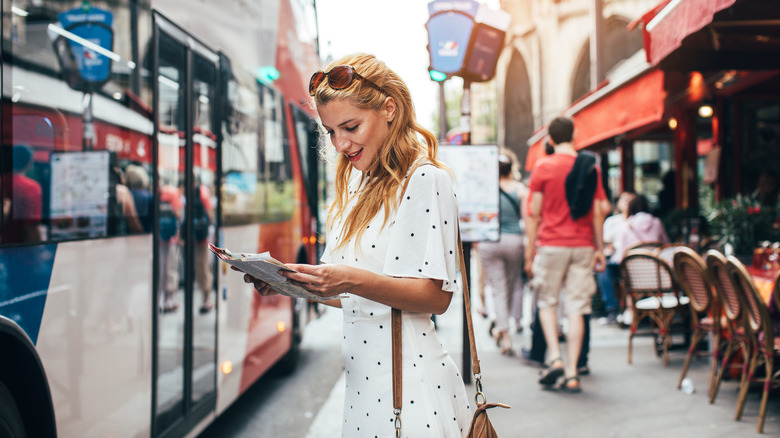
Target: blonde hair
398	153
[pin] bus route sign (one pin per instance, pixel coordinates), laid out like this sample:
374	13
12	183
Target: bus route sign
90	38
449	30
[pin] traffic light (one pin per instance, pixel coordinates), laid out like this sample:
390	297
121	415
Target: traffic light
437	75
267	74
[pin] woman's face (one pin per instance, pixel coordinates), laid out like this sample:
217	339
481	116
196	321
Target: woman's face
357	133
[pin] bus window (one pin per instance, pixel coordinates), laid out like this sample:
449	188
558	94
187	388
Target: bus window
79	128
275	176
307	138
241	200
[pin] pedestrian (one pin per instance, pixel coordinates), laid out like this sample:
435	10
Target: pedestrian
535	355
392	244
640	227
607	278
502	261
564	233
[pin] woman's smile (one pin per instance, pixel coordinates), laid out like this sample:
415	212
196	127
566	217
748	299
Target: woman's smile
355	156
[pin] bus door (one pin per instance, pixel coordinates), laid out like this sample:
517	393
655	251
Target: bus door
186	322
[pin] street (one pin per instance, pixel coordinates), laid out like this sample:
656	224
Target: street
281	405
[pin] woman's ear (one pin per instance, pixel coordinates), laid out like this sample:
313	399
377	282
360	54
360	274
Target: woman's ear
389	107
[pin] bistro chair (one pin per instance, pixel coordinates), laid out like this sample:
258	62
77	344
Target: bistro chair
644	245
651	292
667	251
694	280
732	303
760	332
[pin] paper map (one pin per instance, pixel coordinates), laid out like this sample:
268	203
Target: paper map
264	267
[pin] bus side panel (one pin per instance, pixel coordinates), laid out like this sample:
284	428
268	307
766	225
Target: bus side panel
95	337
249	335
25	273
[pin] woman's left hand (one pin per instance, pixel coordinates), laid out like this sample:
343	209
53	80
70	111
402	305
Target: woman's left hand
323	280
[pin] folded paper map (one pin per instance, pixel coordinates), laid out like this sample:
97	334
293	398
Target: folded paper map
266	268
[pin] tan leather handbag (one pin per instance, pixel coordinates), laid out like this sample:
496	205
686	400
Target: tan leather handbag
481	426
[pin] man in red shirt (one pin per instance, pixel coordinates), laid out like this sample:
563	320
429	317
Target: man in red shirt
562	251
22	197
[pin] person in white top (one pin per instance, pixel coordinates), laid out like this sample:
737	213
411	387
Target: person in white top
393	244
606	279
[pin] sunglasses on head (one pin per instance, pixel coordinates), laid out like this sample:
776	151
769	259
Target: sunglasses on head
339	78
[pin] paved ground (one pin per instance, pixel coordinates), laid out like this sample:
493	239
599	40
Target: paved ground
618	400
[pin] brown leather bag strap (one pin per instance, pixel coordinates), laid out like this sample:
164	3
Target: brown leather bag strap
467	303
397	362
397	370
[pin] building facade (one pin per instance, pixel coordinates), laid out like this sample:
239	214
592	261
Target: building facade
546	63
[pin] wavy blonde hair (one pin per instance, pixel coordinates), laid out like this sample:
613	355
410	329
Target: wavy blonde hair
399	151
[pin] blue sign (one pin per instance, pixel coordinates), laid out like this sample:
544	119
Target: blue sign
91	40
448	38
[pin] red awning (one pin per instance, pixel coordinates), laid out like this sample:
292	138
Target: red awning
535	151
619	108
632	98
665	30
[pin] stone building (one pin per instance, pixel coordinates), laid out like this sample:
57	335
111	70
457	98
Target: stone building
547	63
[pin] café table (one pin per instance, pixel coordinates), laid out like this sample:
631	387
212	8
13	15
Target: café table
765	283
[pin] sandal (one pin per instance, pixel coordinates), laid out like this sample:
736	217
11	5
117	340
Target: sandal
571	389
551	374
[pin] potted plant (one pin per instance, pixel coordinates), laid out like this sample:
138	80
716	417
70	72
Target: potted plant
742	222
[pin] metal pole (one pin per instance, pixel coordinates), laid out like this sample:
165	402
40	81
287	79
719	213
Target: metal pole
442	113
465	121
465	112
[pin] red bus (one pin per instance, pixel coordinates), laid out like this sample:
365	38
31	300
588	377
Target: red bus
134	133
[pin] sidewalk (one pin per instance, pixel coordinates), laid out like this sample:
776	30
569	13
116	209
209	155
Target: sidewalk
618	400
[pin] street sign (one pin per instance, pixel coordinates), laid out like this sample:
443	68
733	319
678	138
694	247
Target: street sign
84	40
448	39
465	38
484	48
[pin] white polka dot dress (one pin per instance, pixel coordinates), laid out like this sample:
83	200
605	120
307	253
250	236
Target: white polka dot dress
419	240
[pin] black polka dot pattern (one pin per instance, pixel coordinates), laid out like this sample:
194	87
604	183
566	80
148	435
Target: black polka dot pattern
418	240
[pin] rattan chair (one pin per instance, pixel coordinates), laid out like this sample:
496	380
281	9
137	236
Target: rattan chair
651	292
694	280
644	245
667	251
760	332
731	301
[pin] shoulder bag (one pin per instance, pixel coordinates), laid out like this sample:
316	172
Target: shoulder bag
481	426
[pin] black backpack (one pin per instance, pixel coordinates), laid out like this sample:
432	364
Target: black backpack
581	184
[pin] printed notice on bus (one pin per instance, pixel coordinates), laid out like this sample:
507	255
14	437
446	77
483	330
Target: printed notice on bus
264	267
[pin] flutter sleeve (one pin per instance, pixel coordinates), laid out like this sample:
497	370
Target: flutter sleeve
423	237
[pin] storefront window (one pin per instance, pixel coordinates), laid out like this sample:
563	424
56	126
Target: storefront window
760	147
653	174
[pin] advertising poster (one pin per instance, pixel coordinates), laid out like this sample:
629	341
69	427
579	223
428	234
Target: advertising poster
79	194
476	184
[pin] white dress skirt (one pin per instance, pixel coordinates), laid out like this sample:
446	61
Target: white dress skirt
419	240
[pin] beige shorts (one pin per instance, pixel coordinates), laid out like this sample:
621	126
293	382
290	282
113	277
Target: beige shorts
571	268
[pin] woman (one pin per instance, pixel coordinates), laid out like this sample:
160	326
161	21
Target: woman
640	227
502	261
393	244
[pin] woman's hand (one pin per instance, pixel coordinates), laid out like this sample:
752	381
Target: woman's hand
260	286
323	280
